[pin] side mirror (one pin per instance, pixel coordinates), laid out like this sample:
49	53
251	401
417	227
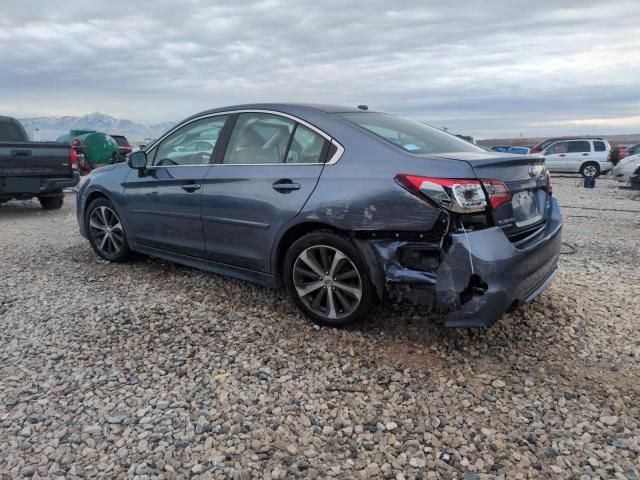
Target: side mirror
138	160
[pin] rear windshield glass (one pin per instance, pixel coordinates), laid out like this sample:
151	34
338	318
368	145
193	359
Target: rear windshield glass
412	136
10	132
120	140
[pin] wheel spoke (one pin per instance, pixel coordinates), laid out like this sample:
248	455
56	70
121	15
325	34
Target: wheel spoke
104	242
117	226
94	224
305	272
311	263
331	304
348	275
346	305
337	257
353	291
103	215
308	288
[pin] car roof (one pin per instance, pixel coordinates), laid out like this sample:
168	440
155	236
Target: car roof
285	108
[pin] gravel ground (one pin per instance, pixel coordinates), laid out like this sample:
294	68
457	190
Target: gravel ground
152	370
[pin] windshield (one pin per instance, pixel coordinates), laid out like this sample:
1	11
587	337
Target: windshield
412	136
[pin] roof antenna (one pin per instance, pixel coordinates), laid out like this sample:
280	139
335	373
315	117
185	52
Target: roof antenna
363	107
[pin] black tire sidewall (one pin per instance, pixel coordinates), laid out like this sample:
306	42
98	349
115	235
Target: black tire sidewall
585	165
347	247
125	252
51	203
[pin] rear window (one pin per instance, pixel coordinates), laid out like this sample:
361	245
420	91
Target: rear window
10	132
581	146
411	136
120	140
599	146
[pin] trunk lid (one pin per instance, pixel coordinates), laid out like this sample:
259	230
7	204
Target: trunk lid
525	179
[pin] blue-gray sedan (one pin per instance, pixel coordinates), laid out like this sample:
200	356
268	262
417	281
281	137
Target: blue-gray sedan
343	206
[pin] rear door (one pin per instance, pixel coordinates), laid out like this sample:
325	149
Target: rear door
164	206
270	168
579	151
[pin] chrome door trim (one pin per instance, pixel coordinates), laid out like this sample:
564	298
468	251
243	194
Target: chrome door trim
332	161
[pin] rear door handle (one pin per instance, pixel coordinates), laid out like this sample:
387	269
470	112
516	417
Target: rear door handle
285	185
585	154
191	187
562	155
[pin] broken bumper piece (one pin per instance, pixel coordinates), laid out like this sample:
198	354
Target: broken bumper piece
483	274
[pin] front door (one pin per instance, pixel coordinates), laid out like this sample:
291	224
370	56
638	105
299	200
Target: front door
270	168
556	157
164	204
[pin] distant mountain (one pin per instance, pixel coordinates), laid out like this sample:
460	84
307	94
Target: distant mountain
50	128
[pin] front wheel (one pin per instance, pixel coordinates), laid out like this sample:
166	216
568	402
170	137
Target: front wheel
106	232
590	169
328	279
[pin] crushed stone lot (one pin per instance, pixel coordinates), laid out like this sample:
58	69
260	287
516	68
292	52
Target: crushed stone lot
154	370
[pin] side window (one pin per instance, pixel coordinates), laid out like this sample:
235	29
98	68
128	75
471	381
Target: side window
259	138
191	144
307	146
579	147
560	147
599	146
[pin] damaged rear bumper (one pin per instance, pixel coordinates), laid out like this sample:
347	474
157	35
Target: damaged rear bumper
481	275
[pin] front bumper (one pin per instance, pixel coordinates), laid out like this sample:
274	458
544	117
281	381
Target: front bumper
482	274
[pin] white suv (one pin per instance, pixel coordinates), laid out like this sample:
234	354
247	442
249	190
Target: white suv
589	157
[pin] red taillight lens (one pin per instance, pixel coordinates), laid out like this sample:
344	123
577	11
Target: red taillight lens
498	192
548	178
73	158
457	195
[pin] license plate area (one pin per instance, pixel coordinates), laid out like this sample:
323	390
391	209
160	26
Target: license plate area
22	185
525	208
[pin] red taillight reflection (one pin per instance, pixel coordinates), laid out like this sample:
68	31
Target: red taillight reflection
73	158
548	178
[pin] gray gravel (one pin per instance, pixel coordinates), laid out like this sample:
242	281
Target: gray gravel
152	370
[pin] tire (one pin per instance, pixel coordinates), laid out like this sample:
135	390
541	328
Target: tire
51	203
343	294
587	168
106	232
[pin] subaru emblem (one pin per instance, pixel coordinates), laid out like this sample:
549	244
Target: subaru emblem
535	170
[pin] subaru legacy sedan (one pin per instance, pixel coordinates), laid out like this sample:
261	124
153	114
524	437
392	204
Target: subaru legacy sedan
344	207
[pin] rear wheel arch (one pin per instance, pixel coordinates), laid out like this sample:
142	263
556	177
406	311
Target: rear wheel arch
293	234
587	165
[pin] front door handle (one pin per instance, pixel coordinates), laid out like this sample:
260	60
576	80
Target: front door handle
562	155
191	187
585	154
285	185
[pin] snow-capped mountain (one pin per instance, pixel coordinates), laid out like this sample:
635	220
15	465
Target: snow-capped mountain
50	128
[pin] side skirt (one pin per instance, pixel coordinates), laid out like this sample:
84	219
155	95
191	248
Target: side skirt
202	264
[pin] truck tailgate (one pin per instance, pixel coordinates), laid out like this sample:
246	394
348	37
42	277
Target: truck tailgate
31	159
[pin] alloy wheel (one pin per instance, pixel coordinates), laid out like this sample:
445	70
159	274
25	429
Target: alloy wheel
106	231
327	281
590	171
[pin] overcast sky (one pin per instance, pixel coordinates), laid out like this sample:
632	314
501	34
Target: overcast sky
486	68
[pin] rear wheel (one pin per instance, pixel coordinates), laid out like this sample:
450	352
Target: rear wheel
51	203
106	232
328	279
590	169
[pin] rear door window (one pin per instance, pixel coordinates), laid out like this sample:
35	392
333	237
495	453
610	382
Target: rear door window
307	146
579	146
259	138
599	146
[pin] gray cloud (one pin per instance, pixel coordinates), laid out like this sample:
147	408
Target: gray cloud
502	69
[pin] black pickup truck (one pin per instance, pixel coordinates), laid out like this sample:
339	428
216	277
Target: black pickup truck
34	169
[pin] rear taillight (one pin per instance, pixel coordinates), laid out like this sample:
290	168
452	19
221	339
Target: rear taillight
73	158
497	191
547	176
456	195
